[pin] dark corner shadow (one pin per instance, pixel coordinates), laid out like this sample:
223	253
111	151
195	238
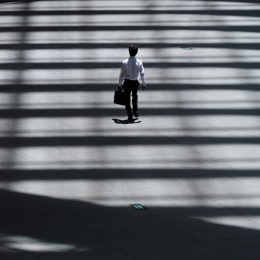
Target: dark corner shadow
71	229
125	122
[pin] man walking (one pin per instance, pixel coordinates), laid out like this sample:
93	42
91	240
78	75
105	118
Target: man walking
131	70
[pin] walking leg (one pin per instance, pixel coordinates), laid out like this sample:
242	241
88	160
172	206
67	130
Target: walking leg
135	100
128	100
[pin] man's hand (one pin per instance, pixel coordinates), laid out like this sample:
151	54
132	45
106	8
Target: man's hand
120	87
143	87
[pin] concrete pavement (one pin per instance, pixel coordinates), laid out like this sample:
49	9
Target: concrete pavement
70	165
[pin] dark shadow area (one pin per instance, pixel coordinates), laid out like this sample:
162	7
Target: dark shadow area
59	141
83	28
87	87
129	174
71	229
115	65
21	88
202	11
124	122
100	112
59	46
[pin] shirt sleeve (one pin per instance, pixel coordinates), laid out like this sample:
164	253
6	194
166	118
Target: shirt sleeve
121	75
142	74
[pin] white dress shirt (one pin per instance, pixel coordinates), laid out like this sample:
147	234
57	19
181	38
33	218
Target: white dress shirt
131	69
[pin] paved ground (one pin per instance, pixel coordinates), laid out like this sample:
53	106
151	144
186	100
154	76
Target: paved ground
70	164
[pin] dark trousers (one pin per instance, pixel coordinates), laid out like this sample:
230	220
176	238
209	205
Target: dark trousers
131	87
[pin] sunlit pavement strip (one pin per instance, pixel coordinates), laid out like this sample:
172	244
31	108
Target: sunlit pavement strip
71	169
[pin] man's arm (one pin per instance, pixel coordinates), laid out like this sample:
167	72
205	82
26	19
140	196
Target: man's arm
121	75
142	76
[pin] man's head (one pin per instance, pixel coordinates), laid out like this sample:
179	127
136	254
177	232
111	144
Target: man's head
133	49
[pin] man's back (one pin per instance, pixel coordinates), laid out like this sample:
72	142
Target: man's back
131	69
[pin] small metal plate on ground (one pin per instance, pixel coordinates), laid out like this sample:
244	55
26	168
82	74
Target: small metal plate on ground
186	48
138	207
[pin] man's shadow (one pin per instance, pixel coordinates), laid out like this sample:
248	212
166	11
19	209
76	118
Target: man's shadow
124	122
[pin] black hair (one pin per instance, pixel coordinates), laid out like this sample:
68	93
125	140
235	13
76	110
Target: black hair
133	49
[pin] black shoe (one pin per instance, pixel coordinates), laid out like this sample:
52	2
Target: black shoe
130	119
136	114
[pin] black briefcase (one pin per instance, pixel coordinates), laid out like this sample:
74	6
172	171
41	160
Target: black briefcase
119	97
